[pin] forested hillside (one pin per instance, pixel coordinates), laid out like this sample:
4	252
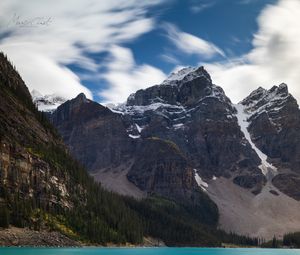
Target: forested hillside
43	187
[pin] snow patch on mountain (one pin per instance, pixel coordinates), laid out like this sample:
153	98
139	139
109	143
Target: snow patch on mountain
202	184
243	117
176	110
139	129
166	109
178	126
141	109
134	136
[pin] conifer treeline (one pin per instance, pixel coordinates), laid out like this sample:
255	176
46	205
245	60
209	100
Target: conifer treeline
292	240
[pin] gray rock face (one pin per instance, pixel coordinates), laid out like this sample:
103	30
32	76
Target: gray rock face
288	184
188	111
276	126
275	129
185	90
163	171
184	138
95	135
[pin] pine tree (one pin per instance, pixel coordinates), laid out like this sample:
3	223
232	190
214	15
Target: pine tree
4	216
274	243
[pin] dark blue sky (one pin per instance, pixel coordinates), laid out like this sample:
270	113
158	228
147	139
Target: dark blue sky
229	24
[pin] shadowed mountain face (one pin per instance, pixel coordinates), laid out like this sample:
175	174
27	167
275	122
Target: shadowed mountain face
275	129
183	136
275	124
188	111
95	135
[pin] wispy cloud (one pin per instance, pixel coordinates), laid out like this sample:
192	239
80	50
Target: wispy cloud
125	77
201	5
169	58
43	38
275	56
191	44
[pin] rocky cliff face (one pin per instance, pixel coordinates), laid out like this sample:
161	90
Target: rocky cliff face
187	110
196	115
184	135
269	120
33	178
274	126
163	171
24	171
106	142
95	135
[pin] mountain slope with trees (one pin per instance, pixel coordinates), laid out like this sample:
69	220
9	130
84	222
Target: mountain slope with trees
43	188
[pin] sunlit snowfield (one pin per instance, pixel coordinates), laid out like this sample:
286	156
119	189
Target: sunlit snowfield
143	251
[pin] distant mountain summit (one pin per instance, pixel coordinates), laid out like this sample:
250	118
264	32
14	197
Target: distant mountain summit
186	74
46	103
184	88
274	123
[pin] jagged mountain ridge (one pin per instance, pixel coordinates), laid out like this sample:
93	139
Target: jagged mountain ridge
202	114
269	120
275	126
275	114
99	138
175	113
214	143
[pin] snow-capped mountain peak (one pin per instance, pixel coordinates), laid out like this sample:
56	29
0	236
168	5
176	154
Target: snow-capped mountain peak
47	103
186	74
273	103
179	75
262	97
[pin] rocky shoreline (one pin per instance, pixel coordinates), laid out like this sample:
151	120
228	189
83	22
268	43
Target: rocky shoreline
26	237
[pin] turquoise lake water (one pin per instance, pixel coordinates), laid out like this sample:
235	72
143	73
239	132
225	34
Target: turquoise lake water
143	251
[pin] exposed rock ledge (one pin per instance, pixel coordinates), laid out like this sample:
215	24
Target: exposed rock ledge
29	238
26	237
